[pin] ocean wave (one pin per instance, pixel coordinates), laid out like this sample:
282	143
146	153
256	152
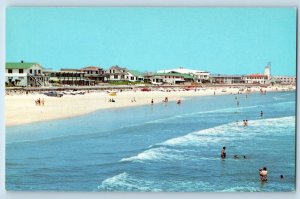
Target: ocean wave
165	151
126	182
160	153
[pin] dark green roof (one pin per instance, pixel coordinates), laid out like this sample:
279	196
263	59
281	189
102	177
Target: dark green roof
136	73
19	65
185	76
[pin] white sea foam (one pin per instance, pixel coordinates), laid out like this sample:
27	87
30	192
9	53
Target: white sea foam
126	182
227	132
160	153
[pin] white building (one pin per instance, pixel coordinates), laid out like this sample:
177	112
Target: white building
198	76
116	73
255	79
135	76
285	79
171	78
24	74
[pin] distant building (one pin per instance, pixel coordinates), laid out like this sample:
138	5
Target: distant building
24	74
198	76
226	79
171	78
94	73
135	76
116	73
71	77
285	79
255	79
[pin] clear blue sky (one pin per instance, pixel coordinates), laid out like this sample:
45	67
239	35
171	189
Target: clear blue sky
218	40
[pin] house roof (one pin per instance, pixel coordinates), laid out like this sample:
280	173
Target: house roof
185	76
93	68
20	65
136	73
256	75
118	68
182	70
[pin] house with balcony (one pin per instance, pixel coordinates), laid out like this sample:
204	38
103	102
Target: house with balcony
24	74
94	73
71	77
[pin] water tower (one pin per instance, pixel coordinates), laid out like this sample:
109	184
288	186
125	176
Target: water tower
268	70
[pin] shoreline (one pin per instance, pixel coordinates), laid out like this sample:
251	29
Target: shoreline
21	109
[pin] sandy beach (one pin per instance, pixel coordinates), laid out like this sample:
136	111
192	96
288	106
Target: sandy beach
21	108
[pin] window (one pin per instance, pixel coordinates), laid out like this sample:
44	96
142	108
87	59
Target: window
21	71
39	71
30	71
9	70
131	78
115	76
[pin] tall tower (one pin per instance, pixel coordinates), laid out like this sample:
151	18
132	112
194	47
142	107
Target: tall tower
268	70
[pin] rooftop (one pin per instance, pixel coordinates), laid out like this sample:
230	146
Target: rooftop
136	73
186	76
93	68
256	75
20	65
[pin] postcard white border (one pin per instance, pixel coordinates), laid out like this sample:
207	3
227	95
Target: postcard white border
90	3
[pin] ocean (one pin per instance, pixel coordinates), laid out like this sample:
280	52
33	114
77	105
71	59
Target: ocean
160	148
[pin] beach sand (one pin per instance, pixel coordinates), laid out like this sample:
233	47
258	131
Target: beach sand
21	109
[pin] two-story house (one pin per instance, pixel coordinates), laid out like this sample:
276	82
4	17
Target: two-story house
24	74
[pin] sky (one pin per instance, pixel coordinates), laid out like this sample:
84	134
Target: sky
217	40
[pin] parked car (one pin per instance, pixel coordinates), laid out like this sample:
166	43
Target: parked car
145	89
54	94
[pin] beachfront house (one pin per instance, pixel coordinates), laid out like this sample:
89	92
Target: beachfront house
171	78
226	79
70	77
94	73
24	74
135	76
116	73
198	75
255	79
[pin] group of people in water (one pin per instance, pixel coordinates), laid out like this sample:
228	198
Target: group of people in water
40	102
263	172
167	100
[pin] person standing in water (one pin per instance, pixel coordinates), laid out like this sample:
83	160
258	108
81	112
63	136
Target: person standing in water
261	114
223	152
263	174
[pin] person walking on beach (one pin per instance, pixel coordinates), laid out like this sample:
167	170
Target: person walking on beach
263	174
223	152
42	102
